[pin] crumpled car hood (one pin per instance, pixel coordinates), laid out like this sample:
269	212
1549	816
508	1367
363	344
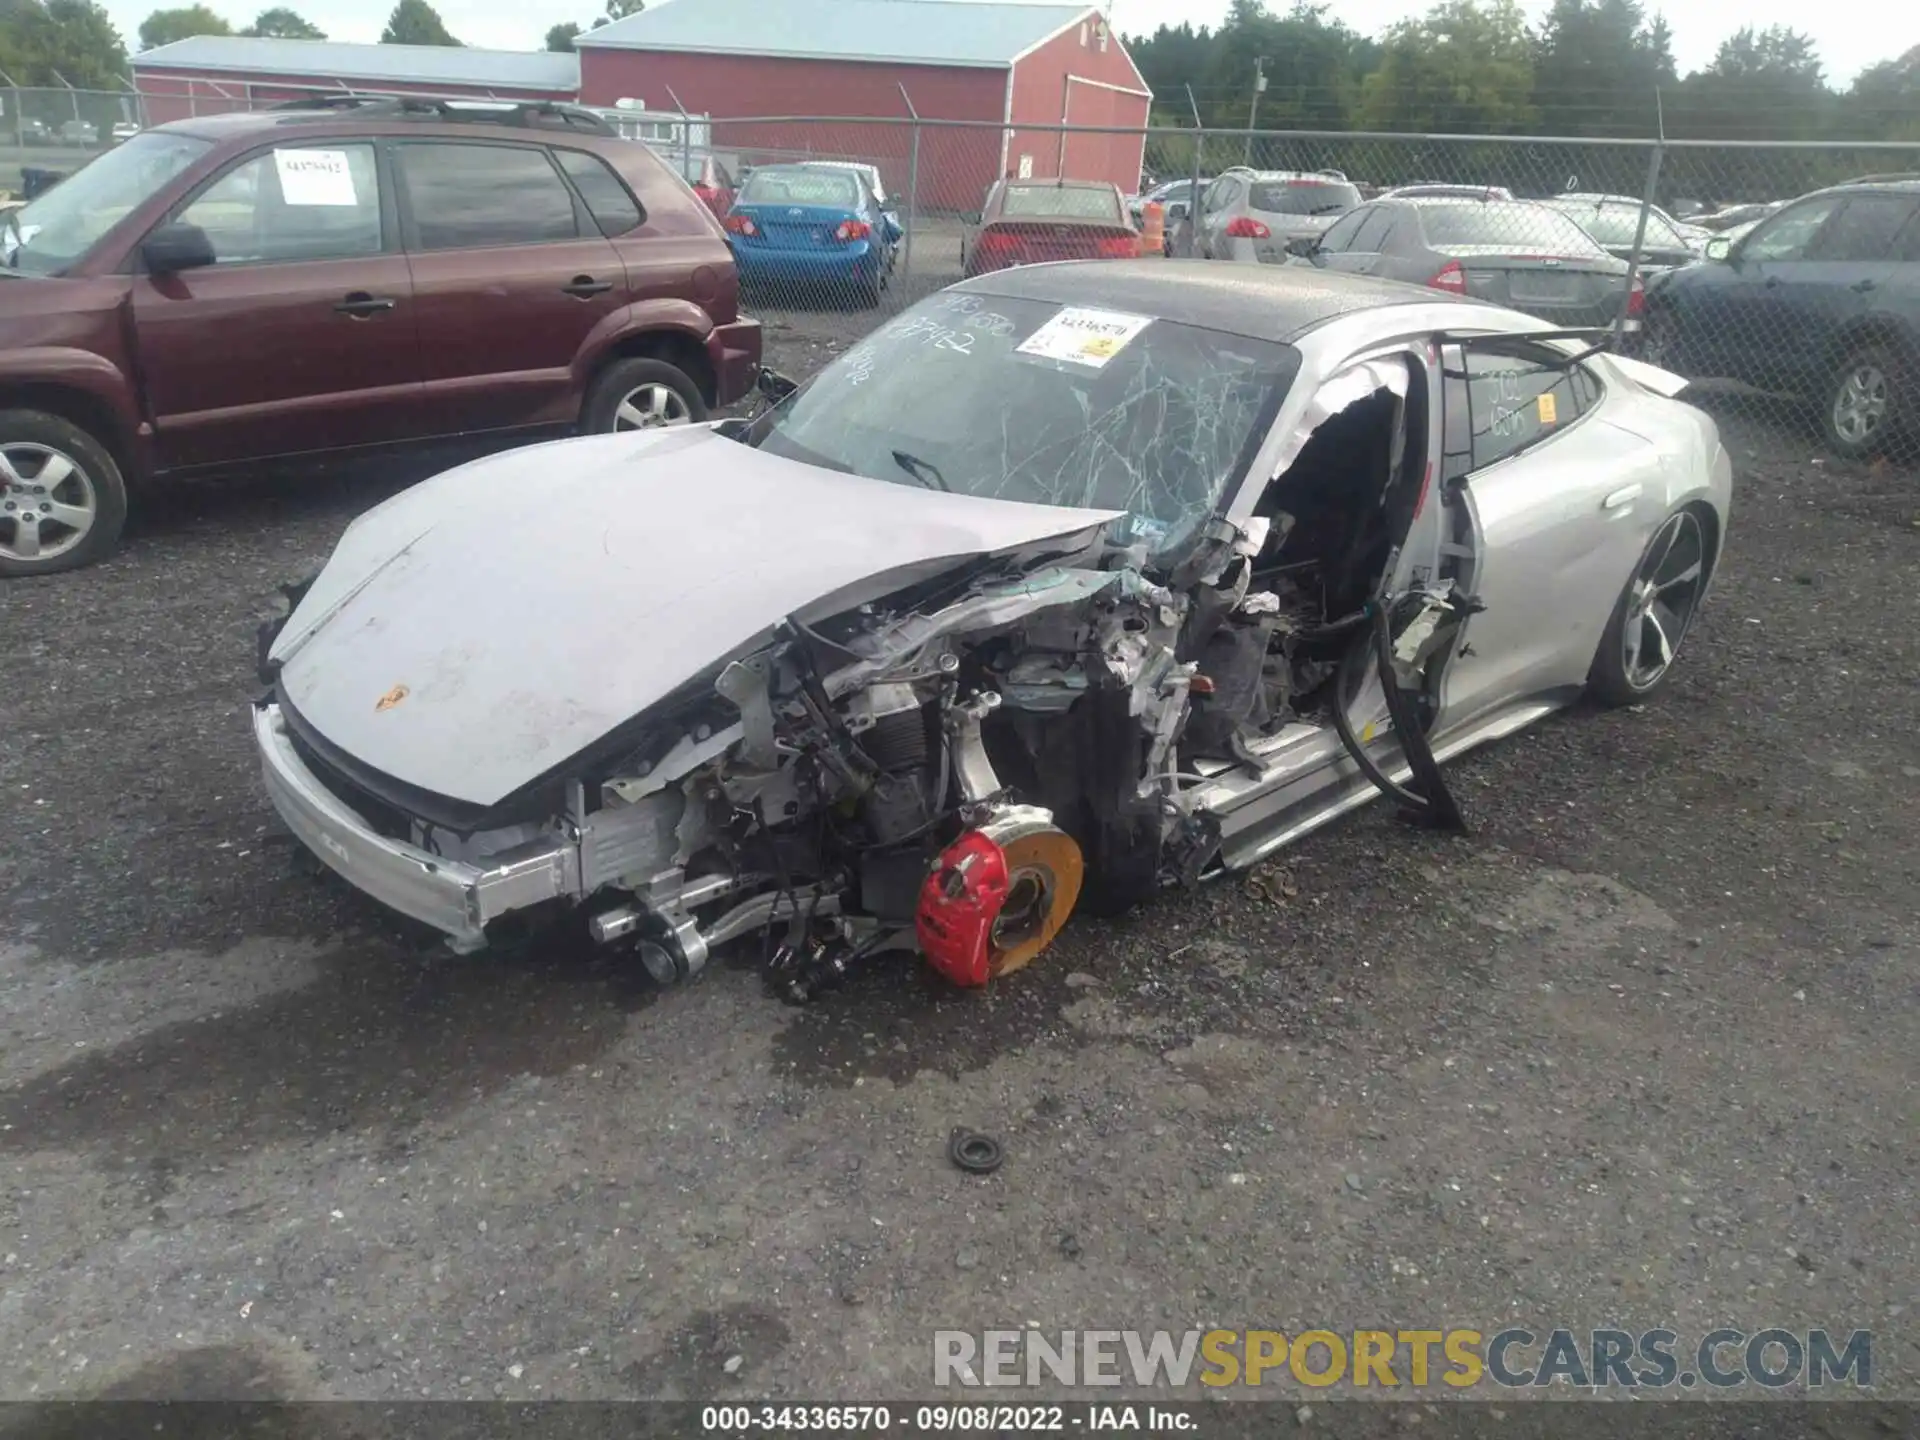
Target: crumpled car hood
484	626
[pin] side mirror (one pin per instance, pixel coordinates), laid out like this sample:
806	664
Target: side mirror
972	217
1177	210
773	385
894	229
1719	248
174	247
1305	246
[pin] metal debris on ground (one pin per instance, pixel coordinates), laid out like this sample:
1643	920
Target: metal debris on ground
1274	886
973	1152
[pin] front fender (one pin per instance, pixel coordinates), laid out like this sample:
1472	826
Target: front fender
110	390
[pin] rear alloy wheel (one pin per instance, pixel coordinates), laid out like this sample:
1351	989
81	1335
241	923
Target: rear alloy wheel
1862	403
1654	614
651	407
641	395
62	500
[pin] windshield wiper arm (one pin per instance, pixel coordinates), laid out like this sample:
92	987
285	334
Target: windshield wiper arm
922	470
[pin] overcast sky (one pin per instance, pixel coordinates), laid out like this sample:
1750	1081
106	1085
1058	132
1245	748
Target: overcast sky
1850	36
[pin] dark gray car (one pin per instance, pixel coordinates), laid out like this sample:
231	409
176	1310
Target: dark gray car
1615	222
1516	253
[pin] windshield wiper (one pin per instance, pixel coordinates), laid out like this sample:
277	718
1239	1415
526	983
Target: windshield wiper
922	470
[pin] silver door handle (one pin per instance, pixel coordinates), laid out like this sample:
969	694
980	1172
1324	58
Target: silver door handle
1625	495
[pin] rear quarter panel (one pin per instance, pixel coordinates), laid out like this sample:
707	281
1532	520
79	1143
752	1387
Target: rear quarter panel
679	252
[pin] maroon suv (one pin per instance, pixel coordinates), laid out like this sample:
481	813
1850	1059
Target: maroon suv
238	288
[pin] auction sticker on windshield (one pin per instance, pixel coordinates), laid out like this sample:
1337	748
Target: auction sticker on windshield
1084	337
314	177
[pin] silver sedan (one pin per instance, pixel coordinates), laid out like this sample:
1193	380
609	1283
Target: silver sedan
1069	582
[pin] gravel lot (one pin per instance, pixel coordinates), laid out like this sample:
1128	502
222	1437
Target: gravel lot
1643	1049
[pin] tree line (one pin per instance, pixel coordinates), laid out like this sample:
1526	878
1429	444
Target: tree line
1599	68
57	43
412	22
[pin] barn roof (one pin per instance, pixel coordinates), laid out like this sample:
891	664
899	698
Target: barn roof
336	60
978	33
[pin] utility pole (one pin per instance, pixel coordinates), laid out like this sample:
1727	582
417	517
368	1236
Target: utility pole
1253	107
1192	217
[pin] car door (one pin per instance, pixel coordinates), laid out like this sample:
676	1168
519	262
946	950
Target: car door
301	335
1339	237
656	264
725	188
874	214
1735	320
1363	252
510	276
1560	506
1821	298
1899	298
883	205
889	217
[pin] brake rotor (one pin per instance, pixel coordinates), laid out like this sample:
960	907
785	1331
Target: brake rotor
997	896
1044	872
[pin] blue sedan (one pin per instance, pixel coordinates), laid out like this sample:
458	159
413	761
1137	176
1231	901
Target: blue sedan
804	232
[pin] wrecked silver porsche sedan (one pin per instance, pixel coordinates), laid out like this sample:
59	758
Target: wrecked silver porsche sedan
1067	583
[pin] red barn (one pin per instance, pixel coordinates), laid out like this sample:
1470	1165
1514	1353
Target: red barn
209	74
1005	66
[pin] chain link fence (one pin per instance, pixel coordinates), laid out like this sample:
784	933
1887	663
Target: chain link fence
1714	259
48	134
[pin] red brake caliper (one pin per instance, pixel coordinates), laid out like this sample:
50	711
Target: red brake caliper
958	905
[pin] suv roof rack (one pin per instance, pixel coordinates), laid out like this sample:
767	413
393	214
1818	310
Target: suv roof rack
523	114
1893	177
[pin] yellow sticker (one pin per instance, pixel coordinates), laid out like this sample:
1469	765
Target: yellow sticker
1549	409
1366	733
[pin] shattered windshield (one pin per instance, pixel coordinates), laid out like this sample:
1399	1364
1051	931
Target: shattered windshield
1033	401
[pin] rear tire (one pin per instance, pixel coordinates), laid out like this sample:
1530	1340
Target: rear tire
1654	613
63	502
1123	866
641	394
1868	401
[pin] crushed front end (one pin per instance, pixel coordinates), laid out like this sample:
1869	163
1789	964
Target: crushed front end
837	791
